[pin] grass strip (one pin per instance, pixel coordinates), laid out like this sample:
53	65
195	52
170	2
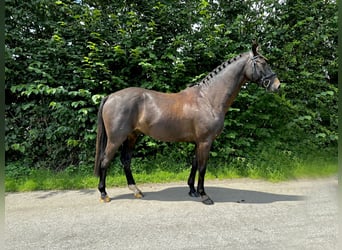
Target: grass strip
42	179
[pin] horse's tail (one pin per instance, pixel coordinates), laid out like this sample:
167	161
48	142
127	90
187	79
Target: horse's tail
101	139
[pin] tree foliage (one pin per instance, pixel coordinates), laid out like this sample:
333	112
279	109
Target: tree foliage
63	56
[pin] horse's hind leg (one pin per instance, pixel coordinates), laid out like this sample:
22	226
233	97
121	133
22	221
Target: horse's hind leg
108	156
126	157
102	185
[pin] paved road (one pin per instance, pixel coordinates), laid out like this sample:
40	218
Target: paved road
247	214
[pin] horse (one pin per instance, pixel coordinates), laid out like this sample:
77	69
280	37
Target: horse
195	115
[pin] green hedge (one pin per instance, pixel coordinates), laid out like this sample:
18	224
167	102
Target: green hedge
62	57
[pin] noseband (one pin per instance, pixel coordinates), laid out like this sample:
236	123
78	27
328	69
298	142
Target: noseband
265	80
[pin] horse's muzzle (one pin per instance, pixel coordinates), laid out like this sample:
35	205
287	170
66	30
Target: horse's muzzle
275	86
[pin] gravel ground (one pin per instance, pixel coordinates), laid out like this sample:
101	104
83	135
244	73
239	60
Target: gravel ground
247	214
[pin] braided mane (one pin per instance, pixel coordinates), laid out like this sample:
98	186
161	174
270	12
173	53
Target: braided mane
217	70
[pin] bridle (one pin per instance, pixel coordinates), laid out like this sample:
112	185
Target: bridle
265	80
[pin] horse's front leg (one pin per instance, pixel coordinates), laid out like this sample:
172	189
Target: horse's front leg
192	176
202	155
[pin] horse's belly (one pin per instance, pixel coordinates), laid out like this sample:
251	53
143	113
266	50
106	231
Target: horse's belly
169	132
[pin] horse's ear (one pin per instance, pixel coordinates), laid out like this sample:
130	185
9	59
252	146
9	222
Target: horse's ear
255	47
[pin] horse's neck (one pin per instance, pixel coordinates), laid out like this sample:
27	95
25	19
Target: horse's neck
225	86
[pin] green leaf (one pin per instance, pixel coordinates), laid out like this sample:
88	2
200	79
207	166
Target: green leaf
97	98
213	154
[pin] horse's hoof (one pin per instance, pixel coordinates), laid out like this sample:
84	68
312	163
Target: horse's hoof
138	195
105	199
206	200
193	194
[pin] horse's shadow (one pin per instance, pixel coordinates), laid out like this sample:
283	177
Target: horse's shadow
218	194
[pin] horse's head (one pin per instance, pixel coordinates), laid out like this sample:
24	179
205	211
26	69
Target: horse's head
260	72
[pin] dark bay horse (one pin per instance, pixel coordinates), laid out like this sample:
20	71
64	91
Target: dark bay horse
195	114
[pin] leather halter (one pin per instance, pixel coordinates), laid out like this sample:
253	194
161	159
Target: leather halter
264	80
